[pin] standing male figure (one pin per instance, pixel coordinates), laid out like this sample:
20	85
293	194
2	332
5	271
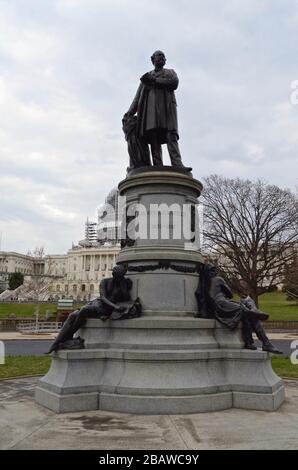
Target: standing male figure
156	108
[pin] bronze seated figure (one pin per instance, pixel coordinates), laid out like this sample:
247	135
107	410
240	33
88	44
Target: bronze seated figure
114	303
215	300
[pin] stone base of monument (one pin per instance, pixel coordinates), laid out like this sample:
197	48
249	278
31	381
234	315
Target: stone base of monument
160	365
167	361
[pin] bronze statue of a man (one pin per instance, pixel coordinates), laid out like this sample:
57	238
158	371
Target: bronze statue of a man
114	303
215	300
156	108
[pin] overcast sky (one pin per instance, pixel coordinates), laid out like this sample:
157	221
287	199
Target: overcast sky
69	70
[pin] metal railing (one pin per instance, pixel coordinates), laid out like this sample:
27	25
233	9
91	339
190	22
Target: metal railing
39	327
281	324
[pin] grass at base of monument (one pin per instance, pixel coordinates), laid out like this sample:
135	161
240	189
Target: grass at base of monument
24	309
17	366
27	309
283	367
278	307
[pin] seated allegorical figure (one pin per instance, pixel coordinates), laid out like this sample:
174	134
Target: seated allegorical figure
215	299
138	149
114	303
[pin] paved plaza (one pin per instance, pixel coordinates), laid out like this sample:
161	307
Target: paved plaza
26	425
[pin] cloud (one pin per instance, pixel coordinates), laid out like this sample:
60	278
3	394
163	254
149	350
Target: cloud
69	70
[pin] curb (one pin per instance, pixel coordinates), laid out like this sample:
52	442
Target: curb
21	377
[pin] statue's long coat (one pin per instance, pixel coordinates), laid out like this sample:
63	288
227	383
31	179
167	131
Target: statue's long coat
226	310
156	106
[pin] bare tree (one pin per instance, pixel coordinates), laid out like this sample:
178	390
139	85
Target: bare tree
38	286
251	229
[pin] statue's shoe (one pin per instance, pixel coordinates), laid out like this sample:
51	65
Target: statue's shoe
182	167
270	348
259	315
73	343
53	348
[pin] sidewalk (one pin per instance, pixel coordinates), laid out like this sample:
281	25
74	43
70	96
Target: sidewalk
289	335
16	335
26	425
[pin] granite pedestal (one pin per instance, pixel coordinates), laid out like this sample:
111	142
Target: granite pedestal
167	361
156	365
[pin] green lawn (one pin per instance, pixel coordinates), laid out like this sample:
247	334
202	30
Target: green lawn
39	365
283	367
26	309
278	307
16	366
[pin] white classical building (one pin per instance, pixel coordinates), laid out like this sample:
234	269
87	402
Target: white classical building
75	275
12	262
78	273
84	268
